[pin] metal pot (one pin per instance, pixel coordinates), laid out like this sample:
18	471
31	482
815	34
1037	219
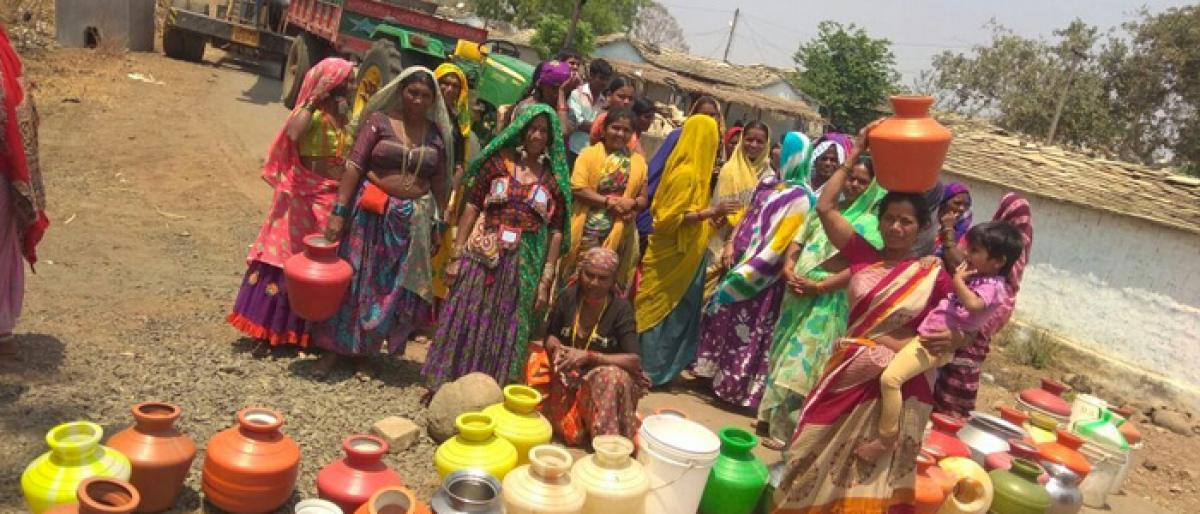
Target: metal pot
468	491
1065	497
986	434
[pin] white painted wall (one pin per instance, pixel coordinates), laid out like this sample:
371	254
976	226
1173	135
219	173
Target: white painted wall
1121	286
619	50
780	89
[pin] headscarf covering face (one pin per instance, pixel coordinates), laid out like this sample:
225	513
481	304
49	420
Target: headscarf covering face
461	105
391	97
325	76
795	158
658	163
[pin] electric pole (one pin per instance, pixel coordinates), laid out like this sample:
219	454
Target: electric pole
574	22
1076	57
732	27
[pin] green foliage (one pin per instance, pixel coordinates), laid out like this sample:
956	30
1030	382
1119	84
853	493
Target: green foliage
552	30
604	16
848	72
1133	96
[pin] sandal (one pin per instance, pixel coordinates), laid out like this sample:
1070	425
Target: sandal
773	444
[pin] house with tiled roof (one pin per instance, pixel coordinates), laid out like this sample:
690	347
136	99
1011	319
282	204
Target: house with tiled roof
1115	266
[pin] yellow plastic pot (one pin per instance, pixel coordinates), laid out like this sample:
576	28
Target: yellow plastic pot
519	422
475	446
75	455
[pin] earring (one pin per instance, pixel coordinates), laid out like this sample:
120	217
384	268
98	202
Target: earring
521	152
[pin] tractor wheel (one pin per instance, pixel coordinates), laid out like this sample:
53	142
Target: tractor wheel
381	64
303	54
183	45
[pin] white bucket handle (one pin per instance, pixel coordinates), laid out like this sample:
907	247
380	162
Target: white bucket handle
688	466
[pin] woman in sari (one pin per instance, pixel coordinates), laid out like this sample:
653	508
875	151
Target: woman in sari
954	216
518	205
669	297
813	313
23	219
705	105
596	374
619	95
609	187
736	332
831	151
749	164
453	83
396	184
890	294
303	167
958	381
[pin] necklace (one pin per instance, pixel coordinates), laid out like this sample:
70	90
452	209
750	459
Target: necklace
595	326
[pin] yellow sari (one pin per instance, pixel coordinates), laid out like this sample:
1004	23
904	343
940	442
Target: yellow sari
594	169
676	249
737	181
463	122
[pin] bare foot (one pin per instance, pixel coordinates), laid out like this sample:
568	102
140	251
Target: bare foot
773	444
325	365
874	449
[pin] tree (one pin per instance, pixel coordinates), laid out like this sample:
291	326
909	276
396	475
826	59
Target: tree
604	16
849	73
552	30
656	25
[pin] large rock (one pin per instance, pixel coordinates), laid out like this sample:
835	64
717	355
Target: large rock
1175	421
467	394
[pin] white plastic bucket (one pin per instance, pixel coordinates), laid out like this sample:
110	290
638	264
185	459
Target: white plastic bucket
315	506
677	454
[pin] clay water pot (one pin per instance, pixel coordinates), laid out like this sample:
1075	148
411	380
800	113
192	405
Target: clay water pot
251	467
75	455
350	481
316	279
1065	451
1047	399
97	495
1012	415
909	147
393	500
160	454
944	436
928	494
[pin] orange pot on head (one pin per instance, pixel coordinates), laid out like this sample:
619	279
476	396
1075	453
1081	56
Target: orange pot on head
908	149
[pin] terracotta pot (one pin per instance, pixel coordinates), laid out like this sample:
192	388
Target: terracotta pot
1047	398
251	467
350	481
1128	429
944	436
1065	451
393	500
160	454
98	495
908	148
316	279
928	495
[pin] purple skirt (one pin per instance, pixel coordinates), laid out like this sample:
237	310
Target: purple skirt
477	328
735	346
261	310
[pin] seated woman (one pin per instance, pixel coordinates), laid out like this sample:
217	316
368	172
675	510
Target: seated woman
596	374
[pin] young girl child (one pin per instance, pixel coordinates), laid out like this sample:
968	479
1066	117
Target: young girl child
980	286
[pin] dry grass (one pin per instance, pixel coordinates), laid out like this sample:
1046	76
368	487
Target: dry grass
1034	347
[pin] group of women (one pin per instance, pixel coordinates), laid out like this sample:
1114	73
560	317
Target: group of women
702	258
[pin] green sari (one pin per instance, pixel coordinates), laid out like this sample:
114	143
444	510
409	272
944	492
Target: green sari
808	325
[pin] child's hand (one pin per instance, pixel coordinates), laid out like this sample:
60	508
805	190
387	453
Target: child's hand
929	262
963	272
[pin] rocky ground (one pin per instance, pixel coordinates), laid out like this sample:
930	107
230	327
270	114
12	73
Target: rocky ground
155	195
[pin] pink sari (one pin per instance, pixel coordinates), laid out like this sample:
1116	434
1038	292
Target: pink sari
822	473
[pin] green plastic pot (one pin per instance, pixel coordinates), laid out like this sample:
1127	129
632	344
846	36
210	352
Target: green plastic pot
1017	490
1105	430
737	478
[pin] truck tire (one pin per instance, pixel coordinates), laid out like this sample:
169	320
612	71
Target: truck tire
382	63
305	51
183	45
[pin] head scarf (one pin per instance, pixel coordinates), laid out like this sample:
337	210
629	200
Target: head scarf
731	134
1015	210
963	224
461	106
19	151
554	73
795	159
658	162
740	176
600	258
391	96
841	143
325	76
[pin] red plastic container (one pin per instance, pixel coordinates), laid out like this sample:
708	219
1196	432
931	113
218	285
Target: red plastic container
160	454
350	481
943	438
928	494
251	467
1048	398
316	279
908	149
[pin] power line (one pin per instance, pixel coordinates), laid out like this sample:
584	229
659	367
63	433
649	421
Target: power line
694	8
706	33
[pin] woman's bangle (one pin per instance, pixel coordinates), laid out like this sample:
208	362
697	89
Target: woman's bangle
340	210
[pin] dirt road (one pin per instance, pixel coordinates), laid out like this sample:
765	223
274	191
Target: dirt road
154	196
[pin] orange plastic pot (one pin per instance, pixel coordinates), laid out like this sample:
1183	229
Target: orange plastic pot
1128	429
159	453
908	149
1065	451
393	500
928	494
99	495
251	467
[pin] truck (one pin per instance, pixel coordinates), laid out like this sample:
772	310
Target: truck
382	36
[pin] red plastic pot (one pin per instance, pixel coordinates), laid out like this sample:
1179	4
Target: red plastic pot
908	149
350	481
943	438
316	279
1048	398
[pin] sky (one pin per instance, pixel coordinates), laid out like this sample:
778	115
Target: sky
769	31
